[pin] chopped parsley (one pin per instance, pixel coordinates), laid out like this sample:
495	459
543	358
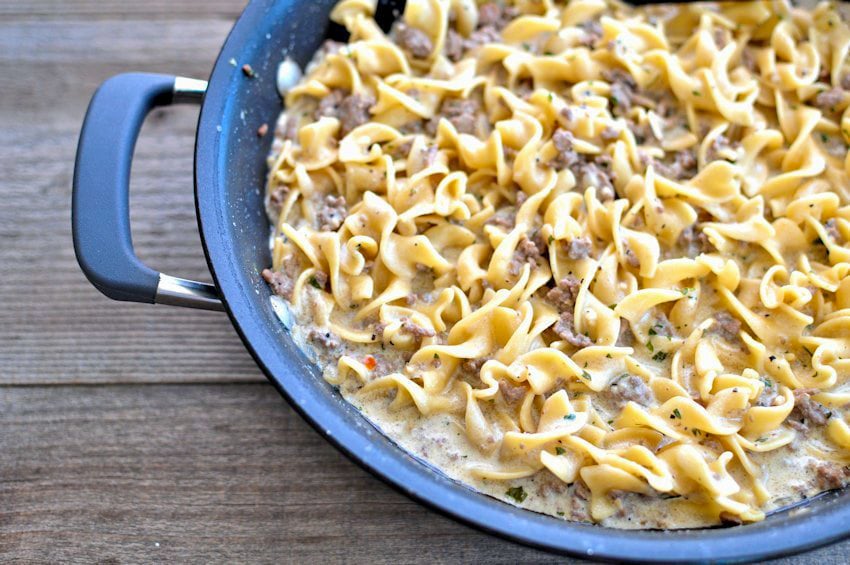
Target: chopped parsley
570	416
660	356
650	346
314	283
560	450
696	93
436	356
652	331
517	493
676	414
586	375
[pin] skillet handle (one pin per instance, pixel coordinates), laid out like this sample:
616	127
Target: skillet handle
100	208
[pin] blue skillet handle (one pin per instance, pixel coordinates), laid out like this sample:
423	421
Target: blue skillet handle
100	208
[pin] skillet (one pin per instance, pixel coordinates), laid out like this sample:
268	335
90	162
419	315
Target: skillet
230	171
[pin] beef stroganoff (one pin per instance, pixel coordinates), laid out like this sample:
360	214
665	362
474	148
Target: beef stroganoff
587	258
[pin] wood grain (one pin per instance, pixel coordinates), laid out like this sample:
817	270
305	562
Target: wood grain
54	326
224	473
132	433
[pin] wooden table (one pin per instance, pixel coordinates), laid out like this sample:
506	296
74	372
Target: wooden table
132	432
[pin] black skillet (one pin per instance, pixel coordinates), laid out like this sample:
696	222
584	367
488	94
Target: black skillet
230	168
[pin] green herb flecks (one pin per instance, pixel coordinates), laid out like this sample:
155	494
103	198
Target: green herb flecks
517	493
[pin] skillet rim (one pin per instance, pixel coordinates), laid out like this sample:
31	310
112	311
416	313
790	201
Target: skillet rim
814	525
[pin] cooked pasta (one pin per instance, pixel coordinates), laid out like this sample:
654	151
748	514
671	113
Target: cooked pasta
587	258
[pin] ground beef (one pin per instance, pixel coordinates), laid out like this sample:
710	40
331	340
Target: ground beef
354	111
808	411
526	252
591	174
351	111
830	475
565	329
331	213
481	37
496	15
845	81
579	248
473	366
592	33
278	196
464	114
662	326
329	104
510	392
320	279
767	396
726	326
505	219
832	230
323	338
625	338
281	284
623	90
580	502
415	330
683	165
720	144
631	388
829	99
693	241
454	45
596	173
563	296
414	41
567	156
609	133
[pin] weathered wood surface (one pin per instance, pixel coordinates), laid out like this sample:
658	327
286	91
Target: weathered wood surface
133	433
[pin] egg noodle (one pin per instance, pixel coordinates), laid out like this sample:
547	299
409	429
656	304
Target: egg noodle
605	246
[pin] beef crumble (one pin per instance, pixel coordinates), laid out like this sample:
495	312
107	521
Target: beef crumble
351	111
828	100
464	115
579	248
588	171
510	392
526	252
683	165
414	41
726	326
807	411
631	388
281	284
830	475
693	241
563	297
331	213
